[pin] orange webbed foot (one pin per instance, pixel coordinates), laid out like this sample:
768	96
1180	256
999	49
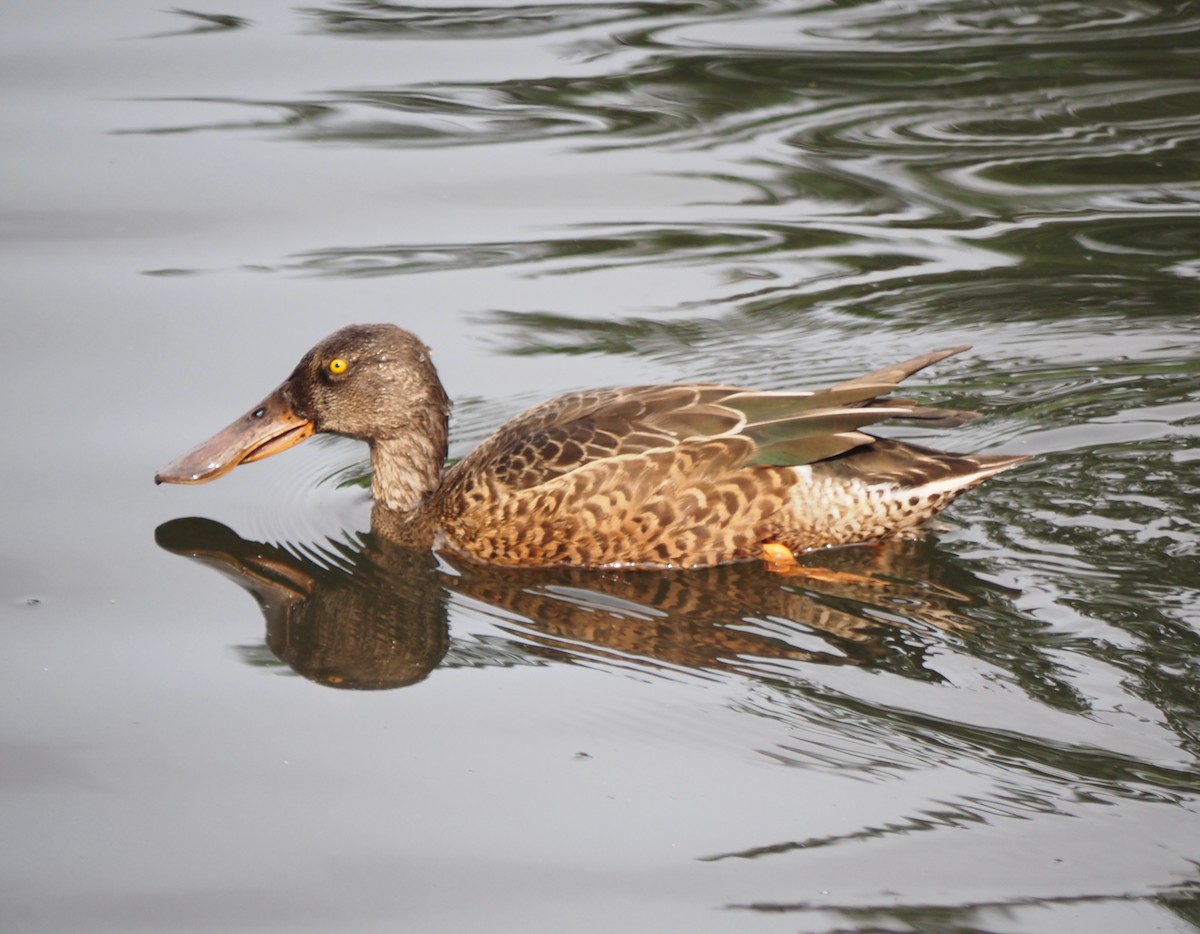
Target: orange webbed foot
779	559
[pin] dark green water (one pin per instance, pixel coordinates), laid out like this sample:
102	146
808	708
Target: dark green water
1003	738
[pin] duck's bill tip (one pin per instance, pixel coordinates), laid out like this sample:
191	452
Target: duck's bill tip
188	469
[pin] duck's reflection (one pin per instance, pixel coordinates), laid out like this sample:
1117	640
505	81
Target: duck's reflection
376	616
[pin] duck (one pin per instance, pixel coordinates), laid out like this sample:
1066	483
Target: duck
670	476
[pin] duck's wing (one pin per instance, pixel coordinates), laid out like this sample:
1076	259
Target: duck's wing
756	428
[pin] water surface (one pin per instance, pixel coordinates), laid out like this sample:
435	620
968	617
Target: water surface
1001	736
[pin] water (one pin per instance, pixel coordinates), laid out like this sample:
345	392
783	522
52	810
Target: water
1002	737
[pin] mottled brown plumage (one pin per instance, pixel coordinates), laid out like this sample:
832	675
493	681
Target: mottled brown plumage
644	476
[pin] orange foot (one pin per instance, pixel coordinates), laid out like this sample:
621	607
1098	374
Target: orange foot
778	559
777	556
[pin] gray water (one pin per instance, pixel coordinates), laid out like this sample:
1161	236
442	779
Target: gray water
1002	738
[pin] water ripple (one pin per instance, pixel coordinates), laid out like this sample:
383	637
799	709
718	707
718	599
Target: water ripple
953	27
1017	135
405	21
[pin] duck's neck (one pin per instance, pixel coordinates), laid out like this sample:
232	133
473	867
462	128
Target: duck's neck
410	439
406	471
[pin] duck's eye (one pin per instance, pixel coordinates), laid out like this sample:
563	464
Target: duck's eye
337	366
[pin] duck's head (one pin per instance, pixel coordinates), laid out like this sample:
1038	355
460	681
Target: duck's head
373	382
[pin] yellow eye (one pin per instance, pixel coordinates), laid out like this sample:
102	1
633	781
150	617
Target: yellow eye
337	366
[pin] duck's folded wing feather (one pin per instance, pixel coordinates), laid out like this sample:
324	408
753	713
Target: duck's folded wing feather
782	428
